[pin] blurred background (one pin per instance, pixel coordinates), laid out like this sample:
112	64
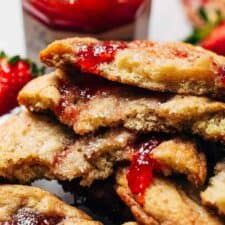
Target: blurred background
28	26
45	20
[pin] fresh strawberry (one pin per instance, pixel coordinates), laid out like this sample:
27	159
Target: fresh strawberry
200	34
216	40
14	74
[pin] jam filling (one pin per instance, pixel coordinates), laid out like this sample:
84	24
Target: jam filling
26	216
76	93
91	16
81	91
66	109
91	56
140	174
180	54
221	73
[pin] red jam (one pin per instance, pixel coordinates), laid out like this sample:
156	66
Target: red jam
26	216
60	156
83	15
80	90
221	73
140	174
94	54
66	109
180	54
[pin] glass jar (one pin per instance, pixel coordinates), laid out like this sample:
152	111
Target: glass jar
48	20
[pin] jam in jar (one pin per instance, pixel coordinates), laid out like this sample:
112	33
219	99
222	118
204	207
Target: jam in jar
48	20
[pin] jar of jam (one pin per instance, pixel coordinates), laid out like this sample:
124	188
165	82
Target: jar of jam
48	20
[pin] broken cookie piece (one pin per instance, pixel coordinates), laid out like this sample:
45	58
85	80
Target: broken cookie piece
34	146
163	203
89	103
214	195
30	205
173	67
182	156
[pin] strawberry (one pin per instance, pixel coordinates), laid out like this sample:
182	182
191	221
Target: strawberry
206	35
14	74
215	41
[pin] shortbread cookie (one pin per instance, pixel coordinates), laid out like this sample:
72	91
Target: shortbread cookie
29	205
173	67
214	195
163	203
87	104
34	146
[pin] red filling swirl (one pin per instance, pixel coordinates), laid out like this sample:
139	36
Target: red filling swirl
140	174
94	54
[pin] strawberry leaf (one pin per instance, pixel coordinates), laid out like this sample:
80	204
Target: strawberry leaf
36	71
14	59
203	14
2	54
201	33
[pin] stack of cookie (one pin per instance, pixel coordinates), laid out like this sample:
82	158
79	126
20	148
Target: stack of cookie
157	107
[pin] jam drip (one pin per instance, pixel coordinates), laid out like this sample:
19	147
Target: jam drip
91	56
221	73
140	174
26	216
66	109
75	93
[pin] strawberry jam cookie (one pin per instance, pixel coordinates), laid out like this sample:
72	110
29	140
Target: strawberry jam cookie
87	103
34	146
162	203
29	205
167	67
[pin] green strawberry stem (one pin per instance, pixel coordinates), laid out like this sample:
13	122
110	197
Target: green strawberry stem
201	33
35	69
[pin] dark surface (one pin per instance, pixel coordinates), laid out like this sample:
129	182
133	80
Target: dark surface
100	201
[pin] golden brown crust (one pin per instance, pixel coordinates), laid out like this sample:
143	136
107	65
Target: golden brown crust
15	197
34	147
134	109
214	195
183	158
164	204
174	67
41	94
